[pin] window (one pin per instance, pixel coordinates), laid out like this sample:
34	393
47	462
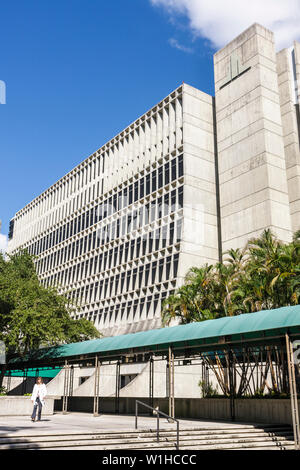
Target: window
167	173
180	166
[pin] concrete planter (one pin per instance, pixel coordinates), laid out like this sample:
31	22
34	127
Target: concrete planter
253	410
22	406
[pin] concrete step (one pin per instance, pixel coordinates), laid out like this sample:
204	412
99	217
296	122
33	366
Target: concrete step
146	435
283	445
140	442
151	432
210	438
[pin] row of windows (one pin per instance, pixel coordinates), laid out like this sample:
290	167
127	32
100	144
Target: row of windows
119	228
157	179
144	276
150	303
124	253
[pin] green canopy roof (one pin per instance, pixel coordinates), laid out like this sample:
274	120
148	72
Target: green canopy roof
42	372
251	326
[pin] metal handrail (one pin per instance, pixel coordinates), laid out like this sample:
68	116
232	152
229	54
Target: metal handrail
158	412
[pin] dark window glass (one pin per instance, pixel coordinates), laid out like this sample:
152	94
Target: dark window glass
132	243
166	203
138	246
130	198
173	169
150	242
105	287
90	242
160	177
142	188
115	256
180	165
144	244
160	207
148	185
180	197
167	173
122	281
117	283
126	251
128	276
153	272
136	191
154	180
175	265
141	272
168	267
134	275
160	270
121	254
147	272
173	200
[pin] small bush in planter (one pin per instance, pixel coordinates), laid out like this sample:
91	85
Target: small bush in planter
3	391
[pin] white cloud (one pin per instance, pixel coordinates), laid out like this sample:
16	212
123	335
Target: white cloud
220	21
3	242
174	43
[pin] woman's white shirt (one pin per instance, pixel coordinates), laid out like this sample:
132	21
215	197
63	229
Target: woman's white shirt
39	390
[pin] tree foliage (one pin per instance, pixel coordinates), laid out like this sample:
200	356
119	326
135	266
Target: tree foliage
34	316
264	275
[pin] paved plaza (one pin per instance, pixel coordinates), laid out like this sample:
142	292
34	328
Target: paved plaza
86	422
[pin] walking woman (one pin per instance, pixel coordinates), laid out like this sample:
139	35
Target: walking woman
37	397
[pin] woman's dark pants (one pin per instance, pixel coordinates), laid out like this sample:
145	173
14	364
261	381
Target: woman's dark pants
38	404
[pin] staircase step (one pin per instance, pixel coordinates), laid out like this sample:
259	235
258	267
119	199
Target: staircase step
169	434
140	443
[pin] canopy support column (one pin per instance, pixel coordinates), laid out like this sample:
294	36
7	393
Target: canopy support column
24	383
8	386
293	391
231	373
151	381
171	384
71	382
66	388
117	396
96	387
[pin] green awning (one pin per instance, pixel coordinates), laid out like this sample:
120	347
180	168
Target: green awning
256	325
42	372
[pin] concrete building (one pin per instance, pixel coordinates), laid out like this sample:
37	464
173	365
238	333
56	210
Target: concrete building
192	177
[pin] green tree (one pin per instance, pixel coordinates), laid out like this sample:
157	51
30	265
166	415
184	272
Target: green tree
34	316
264	275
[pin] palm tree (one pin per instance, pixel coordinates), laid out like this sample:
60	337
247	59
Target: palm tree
264	275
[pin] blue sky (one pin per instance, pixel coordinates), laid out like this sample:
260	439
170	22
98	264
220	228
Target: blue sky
77	72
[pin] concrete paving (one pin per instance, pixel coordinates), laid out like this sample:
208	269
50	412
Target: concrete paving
85	422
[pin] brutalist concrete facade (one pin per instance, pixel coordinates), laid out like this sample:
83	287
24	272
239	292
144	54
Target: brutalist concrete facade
191	178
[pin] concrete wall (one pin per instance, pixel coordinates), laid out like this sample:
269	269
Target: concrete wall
22	406
200	232
252	171
288	100
186	381
19	386
266	411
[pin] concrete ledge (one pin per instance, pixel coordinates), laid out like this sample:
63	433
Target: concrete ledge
248	410
23	406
